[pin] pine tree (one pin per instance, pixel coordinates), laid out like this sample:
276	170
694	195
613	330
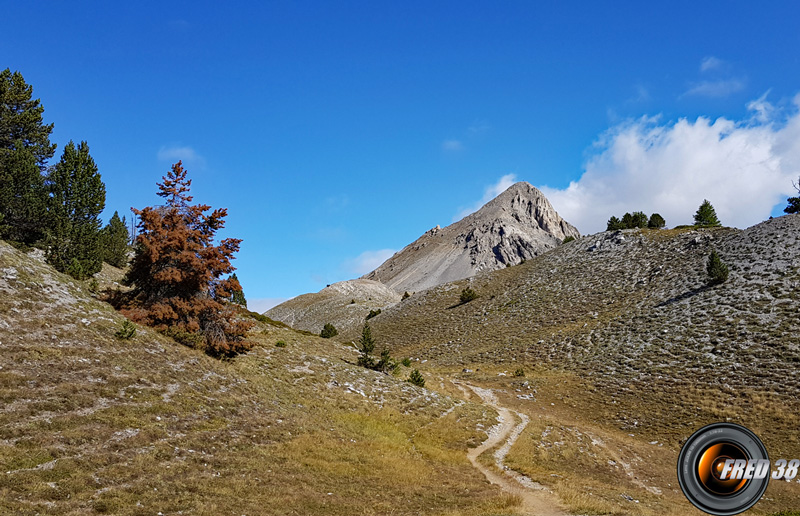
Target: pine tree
639	220
614	224
77	197
114	242
366	345
23	200
634	220
656	221
386	364
237	293
24	150
416	378
467	295
21	124
794	202
328	331
717	271
175	272
706	215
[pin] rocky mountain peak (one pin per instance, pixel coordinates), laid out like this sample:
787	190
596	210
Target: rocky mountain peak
517	225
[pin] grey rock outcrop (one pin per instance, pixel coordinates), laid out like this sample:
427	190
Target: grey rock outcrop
516	225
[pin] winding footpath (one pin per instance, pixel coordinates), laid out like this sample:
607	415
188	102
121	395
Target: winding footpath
536	499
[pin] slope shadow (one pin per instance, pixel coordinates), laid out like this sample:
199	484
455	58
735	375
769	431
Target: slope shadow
461	303
685	295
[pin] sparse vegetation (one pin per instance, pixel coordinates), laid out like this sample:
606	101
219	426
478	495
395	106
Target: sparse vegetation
406	295
518	373
373	313
568	239
406	362
328	331
717	271
467	295
280	344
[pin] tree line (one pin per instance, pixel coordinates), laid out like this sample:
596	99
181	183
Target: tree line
177	275
705	216
56	207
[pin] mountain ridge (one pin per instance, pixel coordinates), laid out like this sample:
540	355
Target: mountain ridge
517	225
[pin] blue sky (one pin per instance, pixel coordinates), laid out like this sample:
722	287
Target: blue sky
336	132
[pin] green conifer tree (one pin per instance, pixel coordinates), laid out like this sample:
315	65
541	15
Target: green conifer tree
706	216
77	197
639	220
21	124
114	242
416	378
614	224
237	293
24	150
656	221
23	201
328	331
717	271
366	345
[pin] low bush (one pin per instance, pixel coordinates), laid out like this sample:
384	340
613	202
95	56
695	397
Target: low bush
328	331
127	331
467	295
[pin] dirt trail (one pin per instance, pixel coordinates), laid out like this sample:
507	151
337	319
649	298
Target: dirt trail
536	499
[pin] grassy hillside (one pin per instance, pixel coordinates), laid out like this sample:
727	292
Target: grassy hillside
606	353
620	337
90	424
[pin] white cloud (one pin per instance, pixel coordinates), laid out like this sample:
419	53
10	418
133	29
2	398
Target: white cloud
489	193
718	88
710	63
744	168
368	261
761	108
263	304
186	154
452	145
